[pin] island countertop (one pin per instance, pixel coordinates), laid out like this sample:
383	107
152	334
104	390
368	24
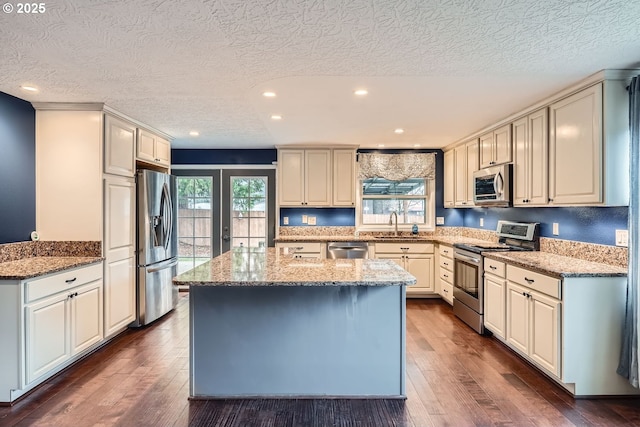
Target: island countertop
270	267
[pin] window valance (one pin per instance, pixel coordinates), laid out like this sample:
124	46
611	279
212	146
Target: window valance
397	167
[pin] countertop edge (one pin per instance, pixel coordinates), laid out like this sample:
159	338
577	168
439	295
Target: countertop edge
78	263
241	284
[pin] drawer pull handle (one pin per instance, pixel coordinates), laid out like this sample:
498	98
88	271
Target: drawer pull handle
446	290
529	280
445	263
493	267
445	275
70	280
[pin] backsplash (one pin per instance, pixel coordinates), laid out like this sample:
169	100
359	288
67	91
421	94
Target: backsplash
324	216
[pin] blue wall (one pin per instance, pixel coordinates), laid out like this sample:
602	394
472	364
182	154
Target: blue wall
223	157
17	169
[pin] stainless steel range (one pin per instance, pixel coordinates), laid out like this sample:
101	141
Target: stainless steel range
468	290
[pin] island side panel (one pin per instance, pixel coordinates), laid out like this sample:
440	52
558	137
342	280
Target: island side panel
304	341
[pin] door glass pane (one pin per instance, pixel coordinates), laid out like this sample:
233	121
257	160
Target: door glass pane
195	216
249	215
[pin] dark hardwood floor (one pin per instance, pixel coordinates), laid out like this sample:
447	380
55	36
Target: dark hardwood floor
454	378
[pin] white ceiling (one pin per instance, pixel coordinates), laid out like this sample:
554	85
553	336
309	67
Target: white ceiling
440	69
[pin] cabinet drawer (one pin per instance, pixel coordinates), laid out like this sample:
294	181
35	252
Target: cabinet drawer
446	263
445	251
303	247
494	267
412	248
536	281
447	291
446	276
59	282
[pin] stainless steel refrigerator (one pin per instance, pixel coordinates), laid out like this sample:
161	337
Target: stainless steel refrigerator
157	246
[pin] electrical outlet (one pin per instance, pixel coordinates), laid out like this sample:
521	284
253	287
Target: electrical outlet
556	229
439	220
622	238
481	222
304	219
285	220
311	220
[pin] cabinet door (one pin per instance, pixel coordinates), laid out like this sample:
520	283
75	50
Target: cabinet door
538	172
461	187
344	177
162	152
521	162
119	295
47	335
575	148
422	269
318	177
473	161
545	332
449	179
494	305
517	317
146	146
502	141
119	147
397	258
86	317
486	150
291	177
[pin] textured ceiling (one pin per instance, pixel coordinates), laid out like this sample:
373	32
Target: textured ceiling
439	69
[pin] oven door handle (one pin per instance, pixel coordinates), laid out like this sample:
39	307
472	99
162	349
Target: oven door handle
467	258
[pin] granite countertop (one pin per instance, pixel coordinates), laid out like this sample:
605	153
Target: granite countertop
270	267
27	268
447	240
556	265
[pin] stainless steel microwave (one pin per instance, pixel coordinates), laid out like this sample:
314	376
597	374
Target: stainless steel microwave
492	186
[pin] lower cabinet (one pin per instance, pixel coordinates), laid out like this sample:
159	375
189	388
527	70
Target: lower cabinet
314	250
445	272
57	319
495	297
417	258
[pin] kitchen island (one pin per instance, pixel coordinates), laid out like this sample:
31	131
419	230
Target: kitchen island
265	324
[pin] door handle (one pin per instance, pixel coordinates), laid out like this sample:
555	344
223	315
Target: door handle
226	238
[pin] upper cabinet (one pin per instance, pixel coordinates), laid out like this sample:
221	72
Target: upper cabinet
495	147
465	163
530	153
449	179
344	177
153	149
119	146
316	177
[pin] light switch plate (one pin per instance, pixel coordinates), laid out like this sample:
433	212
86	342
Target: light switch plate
556	229
304	219
285	220
481	222
311	220
622	238
439	220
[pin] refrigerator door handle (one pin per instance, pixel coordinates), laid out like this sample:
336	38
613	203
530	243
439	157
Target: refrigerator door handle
163	266
167	219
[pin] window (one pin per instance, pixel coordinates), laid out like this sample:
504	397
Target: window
249	214
412	199
194	221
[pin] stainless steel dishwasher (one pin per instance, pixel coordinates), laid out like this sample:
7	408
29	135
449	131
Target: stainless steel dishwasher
347	250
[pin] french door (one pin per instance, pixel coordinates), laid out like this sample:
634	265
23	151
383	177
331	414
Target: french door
223	208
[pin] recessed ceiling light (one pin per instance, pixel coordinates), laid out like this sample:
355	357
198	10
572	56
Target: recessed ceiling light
269	94
380	145
399	131
194	133
361	92
416	145
276	117
29	88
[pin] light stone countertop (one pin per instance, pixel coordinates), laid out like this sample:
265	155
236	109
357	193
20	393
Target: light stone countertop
28	268
556	265
269	267
447	240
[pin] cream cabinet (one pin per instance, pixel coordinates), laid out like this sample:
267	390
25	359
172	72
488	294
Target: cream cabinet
417	258
304	177
530	151
119	146
495	297
153	149
465	163
449	179
588	147
344	177
315	250
48	322
119	250
445	272
495	147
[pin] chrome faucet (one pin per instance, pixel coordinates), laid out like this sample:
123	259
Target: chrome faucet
393	213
